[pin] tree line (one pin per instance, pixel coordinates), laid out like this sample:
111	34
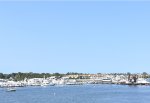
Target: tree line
21	76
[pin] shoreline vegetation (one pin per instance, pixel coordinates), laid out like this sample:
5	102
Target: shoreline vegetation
47	79
72	75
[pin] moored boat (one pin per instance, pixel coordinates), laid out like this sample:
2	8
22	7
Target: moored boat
11	89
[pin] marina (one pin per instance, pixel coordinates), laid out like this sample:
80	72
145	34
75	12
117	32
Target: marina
53	81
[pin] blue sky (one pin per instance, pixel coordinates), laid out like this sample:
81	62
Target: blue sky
86	37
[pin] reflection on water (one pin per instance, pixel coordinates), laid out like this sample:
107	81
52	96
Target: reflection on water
78	94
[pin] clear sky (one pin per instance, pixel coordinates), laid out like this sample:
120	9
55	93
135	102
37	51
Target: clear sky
86	37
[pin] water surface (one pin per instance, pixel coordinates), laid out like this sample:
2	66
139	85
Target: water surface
104	93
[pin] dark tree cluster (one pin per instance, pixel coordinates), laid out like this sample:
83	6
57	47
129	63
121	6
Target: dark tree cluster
21	76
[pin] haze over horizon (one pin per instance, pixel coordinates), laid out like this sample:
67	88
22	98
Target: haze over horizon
87	37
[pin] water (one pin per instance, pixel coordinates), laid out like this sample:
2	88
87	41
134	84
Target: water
78	94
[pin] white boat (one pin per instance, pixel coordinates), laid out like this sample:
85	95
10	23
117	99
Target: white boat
11	89
51	84
70	83
142	81
107	80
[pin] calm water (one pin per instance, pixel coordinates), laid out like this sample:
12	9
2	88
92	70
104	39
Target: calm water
78	94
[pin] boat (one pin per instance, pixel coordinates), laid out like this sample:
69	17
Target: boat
11	89
70	83
106	80
51	84
46	83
